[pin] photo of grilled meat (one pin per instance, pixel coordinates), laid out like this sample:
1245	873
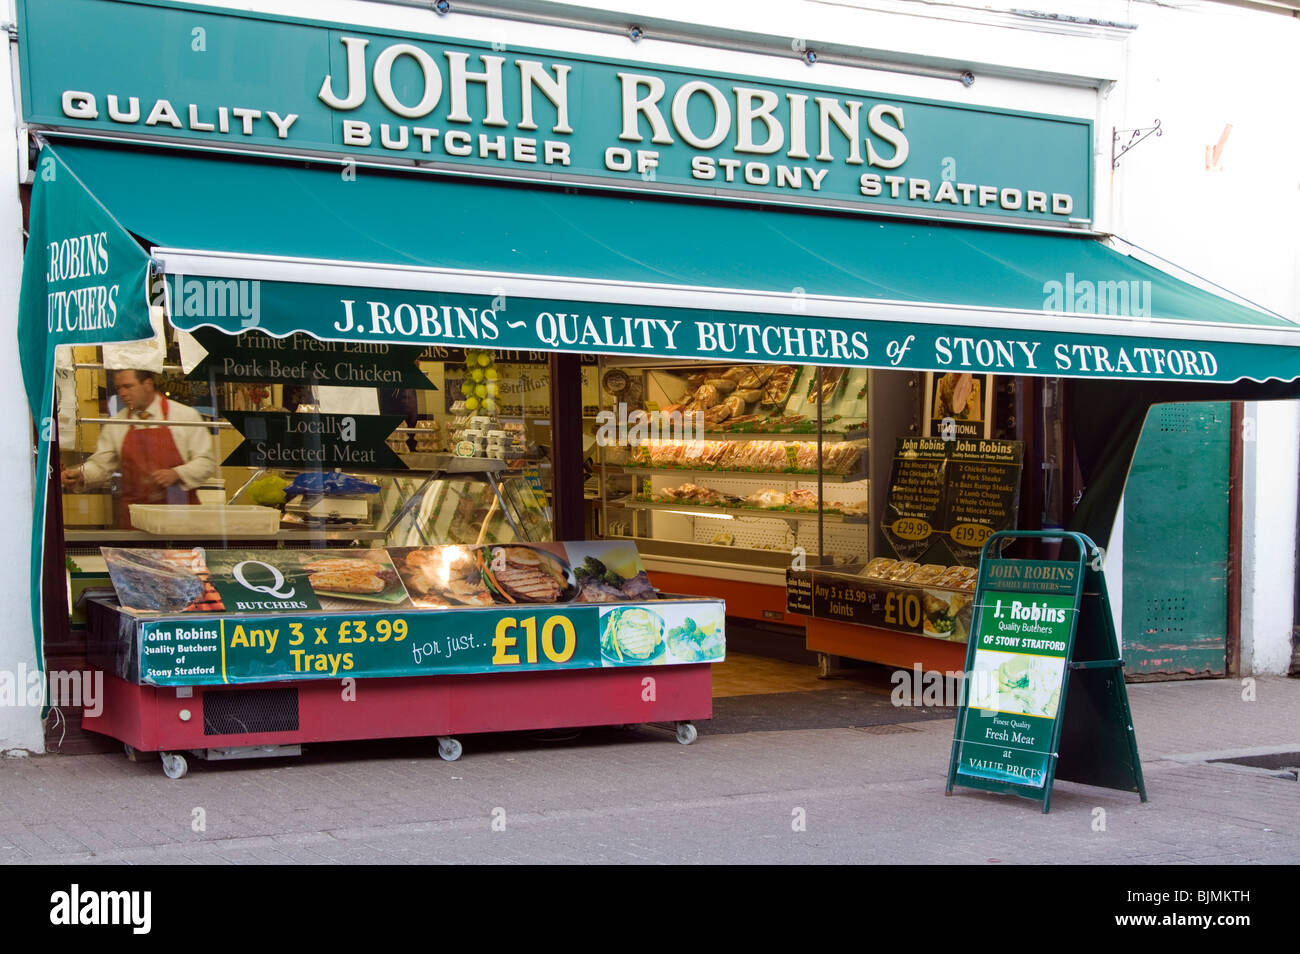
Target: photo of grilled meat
444	575
527	575
339	573
347	581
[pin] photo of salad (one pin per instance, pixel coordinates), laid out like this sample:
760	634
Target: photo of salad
1014	682
693	642
631	635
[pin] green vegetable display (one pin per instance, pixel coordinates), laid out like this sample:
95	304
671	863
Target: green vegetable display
942	624
590	569
593	569
268	491
690	642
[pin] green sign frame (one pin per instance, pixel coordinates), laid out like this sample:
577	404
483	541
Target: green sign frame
1066	709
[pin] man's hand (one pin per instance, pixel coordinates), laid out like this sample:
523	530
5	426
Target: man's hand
70	477
165	478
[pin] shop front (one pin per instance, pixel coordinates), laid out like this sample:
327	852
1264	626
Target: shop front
418	293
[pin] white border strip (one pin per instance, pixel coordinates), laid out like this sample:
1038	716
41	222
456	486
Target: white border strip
563	289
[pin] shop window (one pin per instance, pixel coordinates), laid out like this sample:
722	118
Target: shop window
249	447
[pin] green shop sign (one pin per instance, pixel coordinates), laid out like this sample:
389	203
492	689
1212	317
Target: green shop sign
1016	683
197	75
344	313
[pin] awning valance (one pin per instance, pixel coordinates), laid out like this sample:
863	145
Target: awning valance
348	253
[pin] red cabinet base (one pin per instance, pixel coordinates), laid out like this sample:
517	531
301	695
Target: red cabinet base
154	719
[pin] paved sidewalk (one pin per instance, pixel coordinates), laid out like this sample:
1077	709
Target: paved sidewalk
863	795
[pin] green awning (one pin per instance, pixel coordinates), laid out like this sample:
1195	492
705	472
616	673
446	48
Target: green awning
371	255
365	254
85	281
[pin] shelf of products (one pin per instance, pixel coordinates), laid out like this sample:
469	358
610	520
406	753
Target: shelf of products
282	536
859	473
713	510
749	456
807	434
707	465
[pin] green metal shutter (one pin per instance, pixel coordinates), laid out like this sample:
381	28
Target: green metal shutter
1176	542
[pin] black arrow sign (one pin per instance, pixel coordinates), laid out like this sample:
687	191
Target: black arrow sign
279	439
301	359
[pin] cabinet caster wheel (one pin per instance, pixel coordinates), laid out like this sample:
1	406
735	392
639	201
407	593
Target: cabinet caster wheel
449	749
686	733
132	753
174	765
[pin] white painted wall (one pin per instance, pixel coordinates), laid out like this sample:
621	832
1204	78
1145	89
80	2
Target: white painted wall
20	725
1198	67
1268	536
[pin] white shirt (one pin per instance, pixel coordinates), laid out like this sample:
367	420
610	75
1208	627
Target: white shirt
193	443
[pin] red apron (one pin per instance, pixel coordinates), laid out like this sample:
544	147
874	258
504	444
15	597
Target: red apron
145	450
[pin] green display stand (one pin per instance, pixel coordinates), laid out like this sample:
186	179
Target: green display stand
1044	695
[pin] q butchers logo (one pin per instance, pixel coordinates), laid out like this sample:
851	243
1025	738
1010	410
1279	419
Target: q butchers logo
278	581
253	580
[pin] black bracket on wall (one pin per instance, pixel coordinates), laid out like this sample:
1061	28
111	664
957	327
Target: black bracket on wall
1135	136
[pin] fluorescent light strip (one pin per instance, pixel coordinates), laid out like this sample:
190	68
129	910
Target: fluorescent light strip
701	513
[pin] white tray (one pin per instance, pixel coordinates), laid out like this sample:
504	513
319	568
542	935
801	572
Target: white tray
242	520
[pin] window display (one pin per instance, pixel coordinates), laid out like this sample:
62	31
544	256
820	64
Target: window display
236	440
746	465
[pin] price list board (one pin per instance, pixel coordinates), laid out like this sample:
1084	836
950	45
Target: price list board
983	494
947	497
914	508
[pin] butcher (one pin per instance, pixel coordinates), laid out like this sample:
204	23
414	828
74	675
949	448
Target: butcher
159	464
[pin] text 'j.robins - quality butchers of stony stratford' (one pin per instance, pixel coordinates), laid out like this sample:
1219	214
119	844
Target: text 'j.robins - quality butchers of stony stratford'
519	324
